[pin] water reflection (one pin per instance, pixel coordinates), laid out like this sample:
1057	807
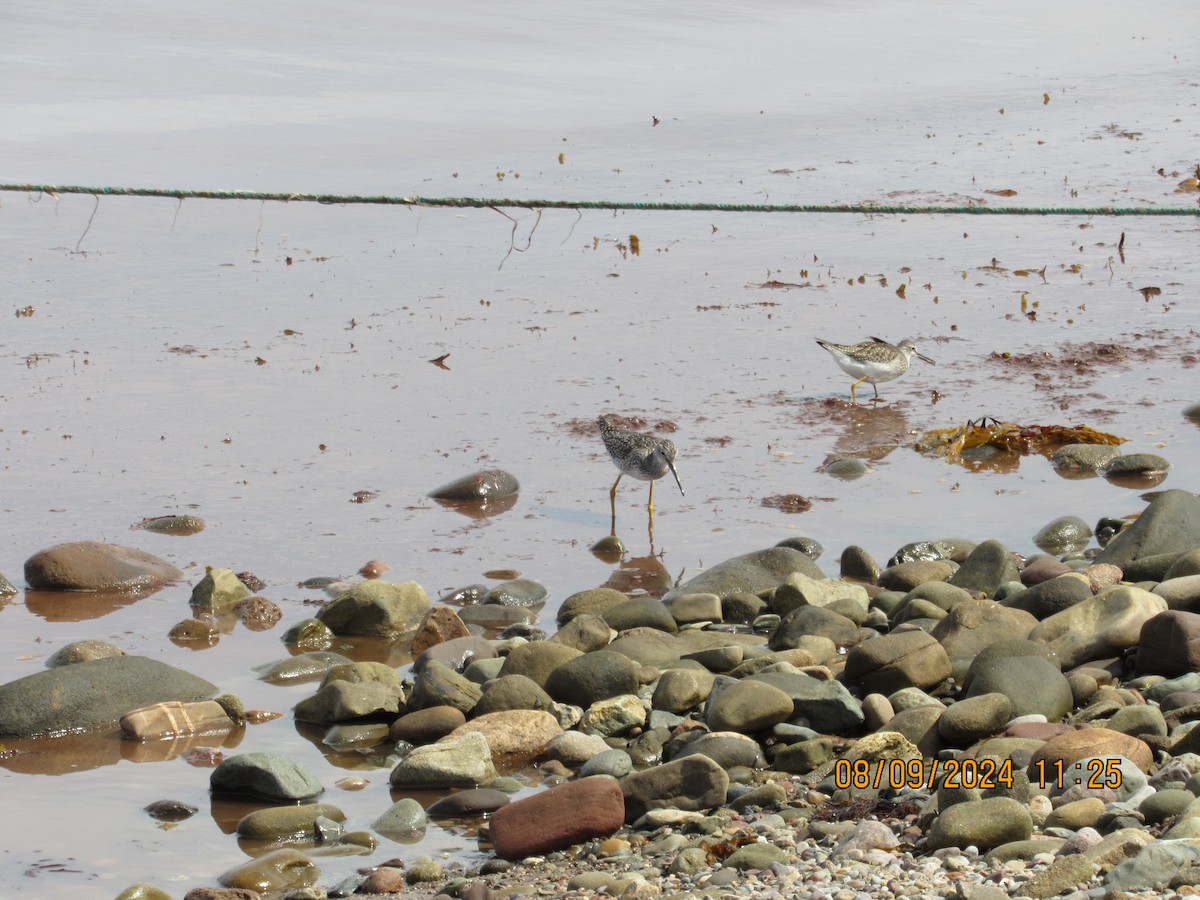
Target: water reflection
638	575
63	606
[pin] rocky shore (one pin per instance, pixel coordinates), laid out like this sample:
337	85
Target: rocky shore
960	722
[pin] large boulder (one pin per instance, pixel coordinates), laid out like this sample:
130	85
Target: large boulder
751	573
377	608
1170	524
96	566
92	694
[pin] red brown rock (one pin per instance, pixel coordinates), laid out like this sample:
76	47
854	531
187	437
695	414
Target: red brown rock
557	818
1073	746
440	624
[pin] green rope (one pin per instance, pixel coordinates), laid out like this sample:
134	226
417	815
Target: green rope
491	203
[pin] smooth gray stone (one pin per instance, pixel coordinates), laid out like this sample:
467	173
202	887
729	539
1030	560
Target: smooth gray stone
270	775
92	694
752	572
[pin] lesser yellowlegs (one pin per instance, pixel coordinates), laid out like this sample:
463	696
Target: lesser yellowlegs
873	361
642	456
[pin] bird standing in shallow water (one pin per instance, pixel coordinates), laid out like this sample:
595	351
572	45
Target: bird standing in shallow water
642	456
873	361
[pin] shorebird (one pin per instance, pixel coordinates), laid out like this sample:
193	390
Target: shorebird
642	456
873	361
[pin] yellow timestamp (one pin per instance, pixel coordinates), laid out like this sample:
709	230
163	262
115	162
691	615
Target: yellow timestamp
898	774
1095	774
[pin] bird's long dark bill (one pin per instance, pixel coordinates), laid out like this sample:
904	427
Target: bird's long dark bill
924	357
671	466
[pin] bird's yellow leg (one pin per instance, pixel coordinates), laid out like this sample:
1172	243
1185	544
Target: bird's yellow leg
612	500
650	505
853	399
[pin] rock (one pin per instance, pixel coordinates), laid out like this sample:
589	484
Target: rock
585	633
522	592
641	612
283	822
465	761
360	737
271	776
615	763
302	667
494	617
344	701
857	564
1185	565
867	835
649	647
881	748
904	576
585	679
757	856
440	624
920	726
515	737
688	784
987	567
219	590
825	706
92	694
1165	804
143	891
893	661
1065	534
403	817
440	685
457	653
727	749
512	692
1073	458
688	609
813	620
425	726
258	613
754	572
1051	596
1034	685
469	803
1040	567
1058	878
804	756
1100	626
748	706
614	716
1136	464
718	659
574	748
537	660
487	485
376	608
95	566
82	651
976	624
383	880
798	589
1181	592
1153	867
174	720
1169	644
363	673
274	871
309	633
981	823
198	631
1062	751
680	690
594	602
558	818
922	551
1170	524
974	718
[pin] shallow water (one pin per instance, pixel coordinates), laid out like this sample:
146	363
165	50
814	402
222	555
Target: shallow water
257	364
